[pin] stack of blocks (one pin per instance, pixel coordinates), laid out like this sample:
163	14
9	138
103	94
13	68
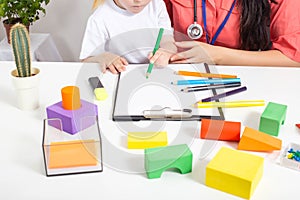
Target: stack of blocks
73	112
272	118
234	172
75	115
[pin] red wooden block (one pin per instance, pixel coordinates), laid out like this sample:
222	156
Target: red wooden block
220	130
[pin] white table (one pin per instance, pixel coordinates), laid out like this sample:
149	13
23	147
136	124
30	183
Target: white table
22	174
42	48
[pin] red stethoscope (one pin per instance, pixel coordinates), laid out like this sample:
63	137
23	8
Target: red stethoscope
195	30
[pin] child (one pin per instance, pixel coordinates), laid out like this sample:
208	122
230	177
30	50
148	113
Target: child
121	31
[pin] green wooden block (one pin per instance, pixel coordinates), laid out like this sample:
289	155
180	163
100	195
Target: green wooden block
272	118
159	159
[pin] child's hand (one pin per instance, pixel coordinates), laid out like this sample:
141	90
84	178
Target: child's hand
113	62
160	58
109	61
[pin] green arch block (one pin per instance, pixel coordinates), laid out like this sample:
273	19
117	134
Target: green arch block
159	159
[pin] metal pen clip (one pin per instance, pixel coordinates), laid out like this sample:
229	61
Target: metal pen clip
167	112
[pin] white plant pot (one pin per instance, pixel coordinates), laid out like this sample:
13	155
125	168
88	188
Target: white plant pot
27	89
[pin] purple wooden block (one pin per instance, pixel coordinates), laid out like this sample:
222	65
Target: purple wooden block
73	120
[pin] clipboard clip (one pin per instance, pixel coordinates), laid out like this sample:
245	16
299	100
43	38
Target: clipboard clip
167	112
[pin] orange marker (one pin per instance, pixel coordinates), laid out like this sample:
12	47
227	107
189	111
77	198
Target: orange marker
70	98
207	75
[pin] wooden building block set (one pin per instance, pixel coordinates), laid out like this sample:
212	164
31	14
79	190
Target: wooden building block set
230	170
72	111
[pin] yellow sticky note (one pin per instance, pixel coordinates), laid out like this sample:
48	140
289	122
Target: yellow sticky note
234	172
143	140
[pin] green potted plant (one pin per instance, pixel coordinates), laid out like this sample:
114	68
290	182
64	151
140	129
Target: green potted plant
21	11
25	78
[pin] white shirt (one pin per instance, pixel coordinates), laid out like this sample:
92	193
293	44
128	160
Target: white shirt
132	36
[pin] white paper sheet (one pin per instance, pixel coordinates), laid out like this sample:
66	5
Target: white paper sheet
136	93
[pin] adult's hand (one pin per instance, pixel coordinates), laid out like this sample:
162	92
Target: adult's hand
196	52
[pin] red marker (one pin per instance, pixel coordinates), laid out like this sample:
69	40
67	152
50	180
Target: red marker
298	125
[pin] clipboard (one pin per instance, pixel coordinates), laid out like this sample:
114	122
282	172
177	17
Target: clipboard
133	84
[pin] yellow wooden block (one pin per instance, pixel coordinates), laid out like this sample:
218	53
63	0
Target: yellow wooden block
234	172
143	140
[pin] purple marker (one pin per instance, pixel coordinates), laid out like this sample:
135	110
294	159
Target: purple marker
225	94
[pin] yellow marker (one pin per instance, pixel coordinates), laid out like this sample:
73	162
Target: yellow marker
230	104
99	90
143	140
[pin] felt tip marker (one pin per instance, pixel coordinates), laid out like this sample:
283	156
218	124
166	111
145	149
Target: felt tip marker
98	88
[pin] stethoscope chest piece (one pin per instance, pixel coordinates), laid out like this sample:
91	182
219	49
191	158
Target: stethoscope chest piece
194	31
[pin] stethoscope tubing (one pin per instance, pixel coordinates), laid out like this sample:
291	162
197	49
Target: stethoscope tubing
195	30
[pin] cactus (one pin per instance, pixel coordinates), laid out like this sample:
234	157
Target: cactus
20	44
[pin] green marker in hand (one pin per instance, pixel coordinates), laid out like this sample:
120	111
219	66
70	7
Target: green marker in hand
160	34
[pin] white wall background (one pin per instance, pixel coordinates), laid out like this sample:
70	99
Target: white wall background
65	20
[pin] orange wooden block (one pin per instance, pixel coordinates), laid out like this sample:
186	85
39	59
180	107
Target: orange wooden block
220	130
75	153
70	98
253	140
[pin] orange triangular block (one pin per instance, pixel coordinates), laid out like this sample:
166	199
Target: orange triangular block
253	140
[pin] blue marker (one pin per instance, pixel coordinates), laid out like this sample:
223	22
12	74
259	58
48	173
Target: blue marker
206	81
